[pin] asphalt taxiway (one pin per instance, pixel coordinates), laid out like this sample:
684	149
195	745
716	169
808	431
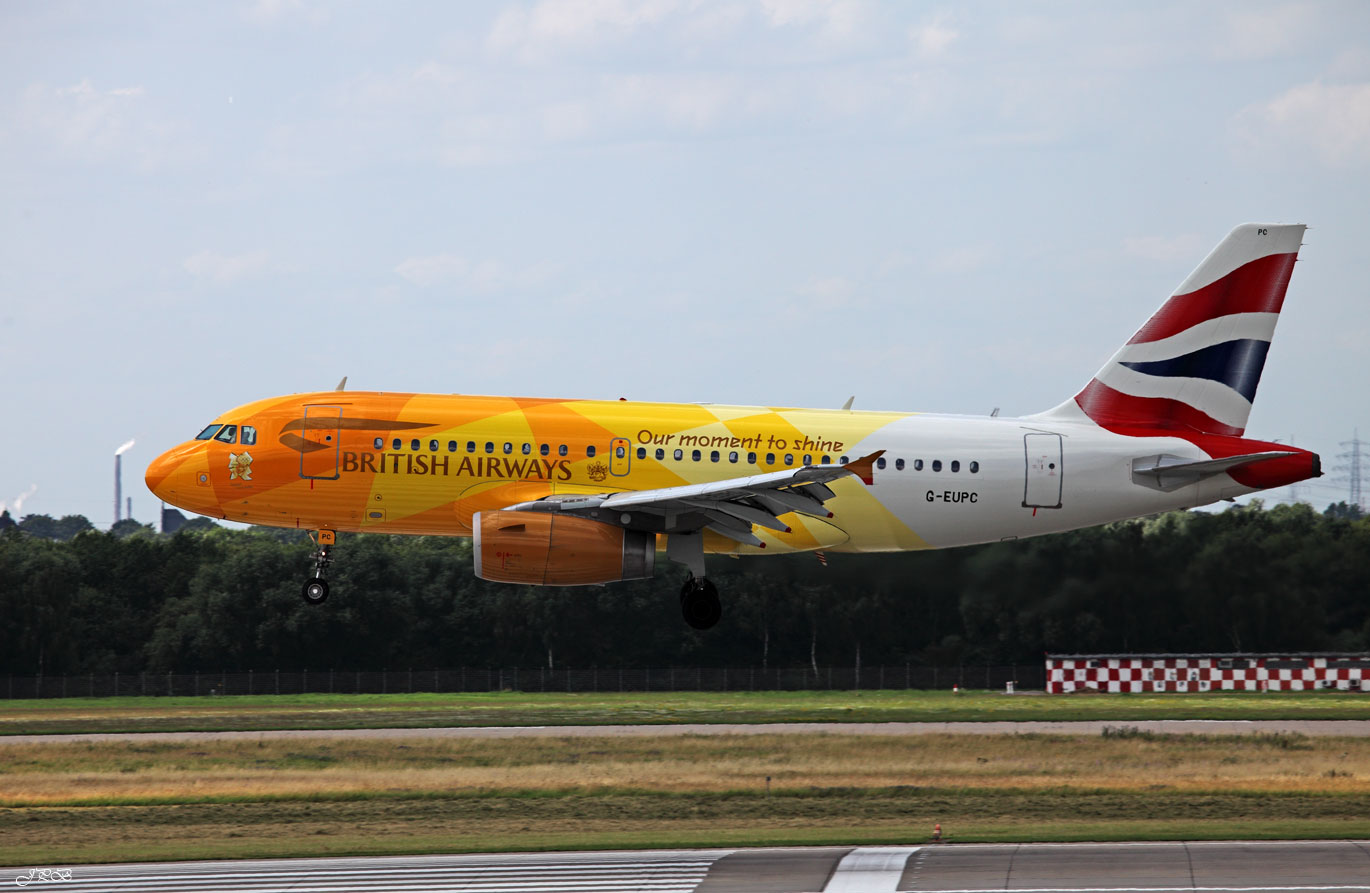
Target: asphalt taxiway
1220	867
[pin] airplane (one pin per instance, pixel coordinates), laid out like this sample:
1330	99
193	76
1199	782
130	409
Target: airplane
559	492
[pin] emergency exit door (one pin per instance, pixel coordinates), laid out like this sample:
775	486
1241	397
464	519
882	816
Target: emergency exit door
321	442
620	456
1042	488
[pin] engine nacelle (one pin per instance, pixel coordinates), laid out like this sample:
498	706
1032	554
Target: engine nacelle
545	549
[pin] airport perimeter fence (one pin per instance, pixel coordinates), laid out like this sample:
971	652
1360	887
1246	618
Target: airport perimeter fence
524	679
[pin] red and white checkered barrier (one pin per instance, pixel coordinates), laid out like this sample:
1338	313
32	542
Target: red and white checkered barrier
1192	673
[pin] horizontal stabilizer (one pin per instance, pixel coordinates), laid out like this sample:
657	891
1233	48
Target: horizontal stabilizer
1167	473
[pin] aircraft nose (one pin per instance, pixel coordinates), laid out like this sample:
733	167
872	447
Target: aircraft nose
162	471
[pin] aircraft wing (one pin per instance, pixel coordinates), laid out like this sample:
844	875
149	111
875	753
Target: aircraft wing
728	507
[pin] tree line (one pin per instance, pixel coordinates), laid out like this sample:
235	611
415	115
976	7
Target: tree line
75	600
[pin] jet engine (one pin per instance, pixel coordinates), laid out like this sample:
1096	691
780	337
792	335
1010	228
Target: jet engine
545	549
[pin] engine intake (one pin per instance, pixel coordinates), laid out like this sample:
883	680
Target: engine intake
545	549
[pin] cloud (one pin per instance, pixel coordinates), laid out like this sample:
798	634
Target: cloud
962	260
1263	32
833	18
270	12
225	268
828	292
1165	248
552	27
933	38
91	124
456	271
1330	121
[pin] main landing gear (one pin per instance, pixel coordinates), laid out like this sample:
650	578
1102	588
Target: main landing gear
315	590
699	603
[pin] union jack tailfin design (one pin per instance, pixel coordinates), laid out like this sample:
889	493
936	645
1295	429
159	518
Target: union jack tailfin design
1196	363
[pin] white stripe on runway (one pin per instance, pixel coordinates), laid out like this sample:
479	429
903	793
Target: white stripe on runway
870	869
555	873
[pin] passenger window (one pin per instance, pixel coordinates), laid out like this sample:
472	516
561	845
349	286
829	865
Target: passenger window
379	443
545	449
880	463
249	437
489	447
955	464
695	455
808	460
842	461
660	454
751	458
975	468
770	458
732	457
590	451
414	444
917	464
470	446
789	458
451	446
208	433
678	455
527	449
898	464
713	456
642	452
508	448
396	444
827	460
620	452
936	464
227	434
561	450
432	446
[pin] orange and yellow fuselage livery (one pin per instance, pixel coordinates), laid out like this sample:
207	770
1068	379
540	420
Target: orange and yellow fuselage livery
571	492
428	463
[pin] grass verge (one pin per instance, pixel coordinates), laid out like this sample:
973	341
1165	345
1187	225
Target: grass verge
88	802
320	711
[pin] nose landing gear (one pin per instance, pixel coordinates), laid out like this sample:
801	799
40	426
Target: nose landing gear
315	590
699	603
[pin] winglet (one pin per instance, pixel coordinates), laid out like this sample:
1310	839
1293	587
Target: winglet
864	468
342	385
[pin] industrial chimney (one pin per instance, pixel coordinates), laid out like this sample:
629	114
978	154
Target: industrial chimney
119	482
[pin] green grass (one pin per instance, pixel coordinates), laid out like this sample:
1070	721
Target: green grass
557	821
319	711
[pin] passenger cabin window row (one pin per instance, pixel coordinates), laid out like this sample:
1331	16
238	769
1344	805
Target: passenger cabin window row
244	434
472	446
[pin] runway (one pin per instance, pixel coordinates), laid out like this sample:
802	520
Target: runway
1357	728
1220	867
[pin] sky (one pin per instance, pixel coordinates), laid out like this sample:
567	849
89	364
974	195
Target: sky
942	207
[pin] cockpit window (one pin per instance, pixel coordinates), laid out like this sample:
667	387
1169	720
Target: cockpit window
228	434
207	433
249	437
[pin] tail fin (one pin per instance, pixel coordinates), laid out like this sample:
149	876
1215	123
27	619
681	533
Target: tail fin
1196	363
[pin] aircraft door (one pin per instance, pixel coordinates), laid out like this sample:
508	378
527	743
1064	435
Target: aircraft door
620	456
1045	471
322	442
